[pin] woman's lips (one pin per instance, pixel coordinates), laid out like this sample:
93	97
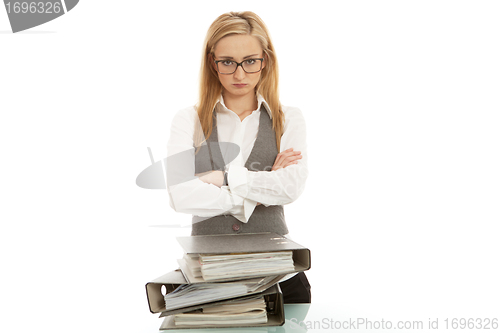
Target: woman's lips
239	85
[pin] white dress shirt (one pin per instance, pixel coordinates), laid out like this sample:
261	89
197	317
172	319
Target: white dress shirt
245	188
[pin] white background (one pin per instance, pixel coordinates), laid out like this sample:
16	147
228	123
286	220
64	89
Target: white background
401	208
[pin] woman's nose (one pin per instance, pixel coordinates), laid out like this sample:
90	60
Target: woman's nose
240	73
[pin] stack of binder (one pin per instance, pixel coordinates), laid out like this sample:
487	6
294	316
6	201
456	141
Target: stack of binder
216	287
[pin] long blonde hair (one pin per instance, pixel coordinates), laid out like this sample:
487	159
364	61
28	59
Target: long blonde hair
241	23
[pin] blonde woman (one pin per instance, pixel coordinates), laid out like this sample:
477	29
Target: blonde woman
240	154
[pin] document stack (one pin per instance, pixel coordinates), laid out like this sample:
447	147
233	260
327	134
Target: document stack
227	281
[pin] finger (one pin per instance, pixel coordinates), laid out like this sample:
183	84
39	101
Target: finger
283	155
291	163
280	156
292	153
291	159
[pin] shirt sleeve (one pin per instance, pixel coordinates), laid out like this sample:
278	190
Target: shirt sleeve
187	193
281	186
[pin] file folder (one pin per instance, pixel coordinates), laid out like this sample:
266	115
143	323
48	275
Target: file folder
274	307
243	243
173	279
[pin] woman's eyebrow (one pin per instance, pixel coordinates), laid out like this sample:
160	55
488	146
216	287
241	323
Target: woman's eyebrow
248	56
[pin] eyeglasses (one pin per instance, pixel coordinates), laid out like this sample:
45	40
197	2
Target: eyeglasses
249	66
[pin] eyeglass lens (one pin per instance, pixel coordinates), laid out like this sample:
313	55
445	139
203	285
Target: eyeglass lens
249	66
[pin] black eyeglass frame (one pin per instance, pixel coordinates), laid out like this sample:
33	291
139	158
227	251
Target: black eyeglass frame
238	64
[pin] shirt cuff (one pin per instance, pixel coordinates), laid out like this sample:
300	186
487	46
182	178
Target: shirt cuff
242	208
237	180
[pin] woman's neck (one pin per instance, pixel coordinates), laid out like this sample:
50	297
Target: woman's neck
240	105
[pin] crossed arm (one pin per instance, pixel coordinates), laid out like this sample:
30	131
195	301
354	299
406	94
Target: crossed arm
206	196
283	160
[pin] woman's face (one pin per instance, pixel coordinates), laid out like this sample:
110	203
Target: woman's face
238	48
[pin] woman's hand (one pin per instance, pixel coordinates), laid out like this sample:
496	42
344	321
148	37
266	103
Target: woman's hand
212	177
286	158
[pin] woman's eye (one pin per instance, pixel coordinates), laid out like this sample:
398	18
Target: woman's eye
250	61
227	63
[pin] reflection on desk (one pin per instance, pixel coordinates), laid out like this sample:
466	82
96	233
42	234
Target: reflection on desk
294	314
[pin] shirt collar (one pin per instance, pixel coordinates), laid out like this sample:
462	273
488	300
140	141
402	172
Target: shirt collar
260	101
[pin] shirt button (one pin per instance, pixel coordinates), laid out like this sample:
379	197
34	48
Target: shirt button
236	227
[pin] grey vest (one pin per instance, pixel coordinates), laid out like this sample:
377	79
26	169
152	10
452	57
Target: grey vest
261	158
